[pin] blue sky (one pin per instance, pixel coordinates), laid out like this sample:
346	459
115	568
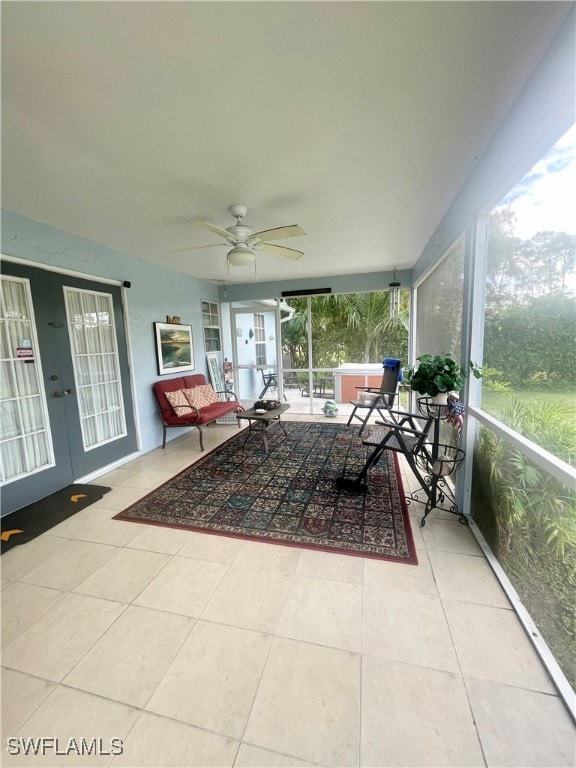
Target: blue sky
545	198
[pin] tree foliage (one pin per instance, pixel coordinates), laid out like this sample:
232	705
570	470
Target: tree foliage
346	328
530	306
533	342
529	520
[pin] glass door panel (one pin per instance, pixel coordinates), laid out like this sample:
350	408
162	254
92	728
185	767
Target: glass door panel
96	366
255	360
25	438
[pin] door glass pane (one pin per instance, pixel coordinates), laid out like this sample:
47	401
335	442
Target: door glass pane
4	344
78	339
23	406
106	340
95	359
31	414
14	461
15	299
18	331
10	419
93	338
27	378
36	450
103	310
7	383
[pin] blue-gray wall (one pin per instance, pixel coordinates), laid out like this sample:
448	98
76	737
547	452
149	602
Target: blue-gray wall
155	293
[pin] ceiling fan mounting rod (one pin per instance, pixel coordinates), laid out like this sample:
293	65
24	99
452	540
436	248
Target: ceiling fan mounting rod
238	211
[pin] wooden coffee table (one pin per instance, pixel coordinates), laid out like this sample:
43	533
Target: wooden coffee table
265	419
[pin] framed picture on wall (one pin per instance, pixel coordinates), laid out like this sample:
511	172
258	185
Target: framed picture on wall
174	348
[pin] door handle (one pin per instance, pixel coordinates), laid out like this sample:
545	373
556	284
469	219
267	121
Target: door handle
61	392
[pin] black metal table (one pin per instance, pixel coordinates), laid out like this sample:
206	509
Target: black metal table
265	419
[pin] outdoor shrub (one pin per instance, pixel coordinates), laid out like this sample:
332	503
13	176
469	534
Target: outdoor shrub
529	519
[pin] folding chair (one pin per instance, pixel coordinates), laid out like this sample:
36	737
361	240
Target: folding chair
289	378
430	461
383	397
405	436
270	381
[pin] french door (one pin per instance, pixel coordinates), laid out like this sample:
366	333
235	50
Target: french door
65	395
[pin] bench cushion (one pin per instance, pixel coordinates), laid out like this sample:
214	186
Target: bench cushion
205	415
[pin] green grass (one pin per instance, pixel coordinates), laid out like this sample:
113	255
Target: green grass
495	402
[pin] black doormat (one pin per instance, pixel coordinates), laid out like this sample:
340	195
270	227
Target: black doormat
25	524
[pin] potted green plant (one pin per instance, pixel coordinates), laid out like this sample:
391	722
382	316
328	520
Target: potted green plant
438	375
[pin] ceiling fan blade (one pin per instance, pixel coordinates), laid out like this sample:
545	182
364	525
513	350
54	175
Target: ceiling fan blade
213	228
195	247
280	250
277	234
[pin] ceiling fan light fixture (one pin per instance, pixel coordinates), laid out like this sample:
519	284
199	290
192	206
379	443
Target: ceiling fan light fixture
240	256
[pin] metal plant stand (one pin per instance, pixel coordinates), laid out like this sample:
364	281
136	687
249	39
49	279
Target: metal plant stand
436	462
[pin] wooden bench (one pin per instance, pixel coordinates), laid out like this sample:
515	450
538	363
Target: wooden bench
182	412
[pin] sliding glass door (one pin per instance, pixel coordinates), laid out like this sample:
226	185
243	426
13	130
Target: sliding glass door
332	344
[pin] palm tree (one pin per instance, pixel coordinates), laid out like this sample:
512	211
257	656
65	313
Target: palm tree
354	327
372	331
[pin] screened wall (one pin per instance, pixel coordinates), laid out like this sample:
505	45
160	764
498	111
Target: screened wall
503	295
528	515
439	303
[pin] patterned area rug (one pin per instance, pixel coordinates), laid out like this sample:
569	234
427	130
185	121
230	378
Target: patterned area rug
288	496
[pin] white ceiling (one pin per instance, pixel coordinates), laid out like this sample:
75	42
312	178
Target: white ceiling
124	122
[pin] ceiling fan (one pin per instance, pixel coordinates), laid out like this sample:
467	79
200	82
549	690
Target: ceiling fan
245	242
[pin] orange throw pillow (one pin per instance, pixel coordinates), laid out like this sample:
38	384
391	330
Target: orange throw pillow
179	403
201	396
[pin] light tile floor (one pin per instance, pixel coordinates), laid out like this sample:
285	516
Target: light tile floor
200	650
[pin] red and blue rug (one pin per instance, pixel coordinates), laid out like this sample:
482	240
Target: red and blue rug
288	496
